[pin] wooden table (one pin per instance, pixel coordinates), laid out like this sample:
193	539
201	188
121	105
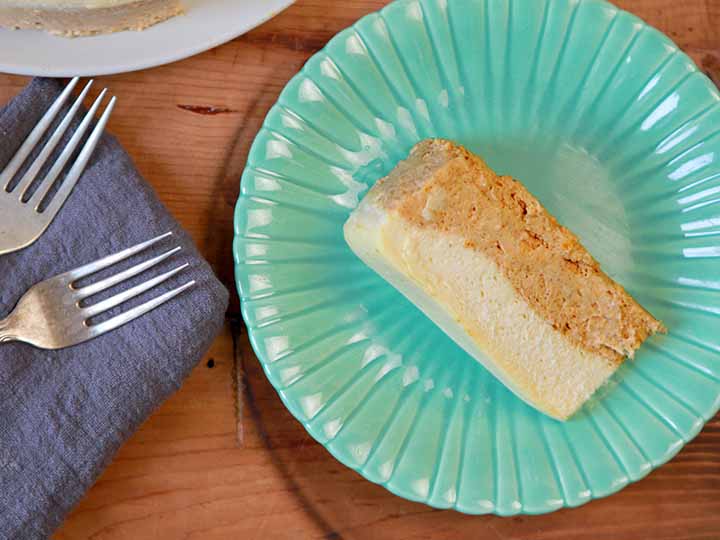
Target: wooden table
208	465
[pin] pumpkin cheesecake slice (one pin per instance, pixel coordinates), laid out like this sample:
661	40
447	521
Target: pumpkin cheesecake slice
86	17
480	256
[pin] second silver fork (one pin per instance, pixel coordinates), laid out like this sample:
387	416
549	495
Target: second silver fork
26	214
53	314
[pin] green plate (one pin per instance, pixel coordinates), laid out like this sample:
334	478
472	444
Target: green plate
607	123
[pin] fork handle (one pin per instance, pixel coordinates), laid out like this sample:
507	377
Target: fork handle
7	332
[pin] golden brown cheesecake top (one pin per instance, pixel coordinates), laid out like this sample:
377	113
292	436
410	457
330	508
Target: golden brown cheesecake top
86	17
445	187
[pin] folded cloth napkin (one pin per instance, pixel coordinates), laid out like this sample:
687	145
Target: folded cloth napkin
64	414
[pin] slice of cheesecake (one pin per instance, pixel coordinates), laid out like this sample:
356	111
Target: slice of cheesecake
86	17
480	256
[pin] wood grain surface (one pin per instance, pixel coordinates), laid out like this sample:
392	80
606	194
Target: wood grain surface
199	470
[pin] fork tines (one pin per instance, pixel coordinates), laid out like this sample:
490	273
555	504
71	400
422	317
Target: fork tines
44	185
93	310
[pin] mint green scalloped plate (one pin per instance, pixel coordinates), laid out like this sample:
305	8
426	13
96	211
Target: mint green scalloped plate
607	123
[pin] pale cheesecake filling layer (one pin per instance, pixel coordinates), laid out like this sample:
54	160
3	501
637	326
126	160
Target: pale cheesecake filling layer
469	298
81	18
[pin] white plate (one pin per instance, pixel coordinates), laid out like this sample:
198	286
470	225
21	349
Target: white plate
207	24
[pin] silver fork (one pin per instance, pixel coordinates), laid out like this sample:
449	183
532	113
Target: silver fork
52	314
25	215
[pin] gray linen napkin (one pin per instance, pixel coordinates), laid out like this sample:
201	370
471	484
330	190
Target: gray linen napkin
64	414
